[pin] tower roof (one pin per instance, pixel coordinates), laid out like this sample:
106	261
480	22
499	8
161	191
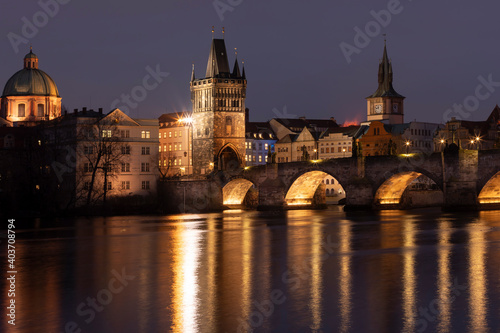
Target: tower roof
218	65
385	88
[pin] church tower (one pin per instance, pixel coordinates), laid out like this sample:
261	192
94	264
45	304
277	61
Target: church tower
385	105
218	113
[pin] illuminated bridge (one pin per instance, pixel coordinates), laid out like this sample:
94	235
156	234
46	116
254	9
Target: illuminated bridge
467	179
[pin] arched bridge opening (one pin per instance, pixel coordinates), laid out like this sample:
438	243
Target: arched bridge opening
314	188
490	193
409	189
239	193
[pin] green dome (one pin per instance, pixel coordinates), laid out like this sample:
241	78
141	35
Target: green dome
30	55
30	82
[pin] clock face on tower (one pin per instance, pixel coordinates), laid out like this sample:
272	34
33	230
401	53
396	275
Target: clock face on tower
378	108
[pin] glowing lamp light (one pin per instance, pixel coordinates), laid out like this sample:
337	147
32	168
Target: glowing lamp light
442	140
478	138
472	141
246	168
407	143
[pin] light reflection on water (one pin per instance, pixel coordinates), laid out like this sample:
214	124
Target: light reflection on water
289	271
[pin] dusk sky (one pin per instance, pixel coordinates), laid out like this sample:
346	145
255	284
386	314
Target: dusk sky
97	50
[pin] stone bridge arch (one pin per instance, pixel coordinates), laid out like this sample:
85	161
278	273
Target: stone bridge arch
301	188
489	194
389	191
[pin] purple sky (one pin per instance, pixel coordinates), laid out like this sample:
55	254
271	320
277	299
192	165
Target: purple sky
98	50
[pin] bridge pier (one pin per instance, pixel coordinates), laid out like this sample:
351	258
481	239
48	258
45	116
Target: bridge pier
359	196
461	175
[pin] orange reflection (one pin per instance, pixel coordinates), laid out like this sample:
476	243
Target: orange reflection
444	282
409	277
478	298
185	285
345	279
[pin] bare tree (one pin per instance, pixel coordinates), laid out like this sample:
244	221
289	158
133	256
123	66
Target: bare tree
102	152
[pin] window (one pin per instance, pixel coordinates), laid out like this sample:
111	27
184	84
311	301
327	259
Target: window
145	134
126	185
229	125
125	133
260	146
180	134
207	131
254	158
180	146
125	167
180	161
106	133
175	146
145	150
88	150
144	167
169	147
159	149
340	149
266	146
327	192
327	181
109	186
175	134
164	135
266	158
86	186
21	110
175	161
39	111
260	158
87	167
145	184
246	158
126	150
164	163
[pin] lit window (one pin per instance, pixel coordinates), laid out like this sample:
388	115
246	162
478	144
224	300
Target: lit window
159	149
266	158
180	146
145	184
169	147
145	134
169	134
246	157
180	134
260	158
266	146
106	133
164	135
164	147
175	146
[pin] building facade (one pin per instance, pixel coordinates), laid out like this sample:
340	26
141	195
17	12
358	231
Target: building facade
175	148
259	144
218	114
475	135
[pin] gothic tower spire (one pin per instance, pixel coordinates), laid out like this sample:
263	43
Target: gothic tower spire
385	104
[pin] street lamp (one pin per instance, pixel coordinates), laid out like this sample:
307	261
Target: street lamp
343	151
407	143
315	154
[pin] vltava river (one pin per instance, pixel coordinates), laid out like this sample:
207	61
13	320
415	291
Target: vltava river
295	271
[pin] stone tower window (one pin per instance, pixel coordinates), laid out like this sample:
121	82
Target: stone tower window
229	125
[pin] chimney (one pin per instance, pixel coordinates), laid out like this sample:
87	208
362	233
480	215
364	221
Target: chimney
100	110
84	110
75	111
333	119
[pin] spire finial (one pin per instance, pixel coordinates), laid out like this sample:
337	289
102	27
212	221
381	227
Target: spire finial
385	38
223	31
31	48
213	30
236	51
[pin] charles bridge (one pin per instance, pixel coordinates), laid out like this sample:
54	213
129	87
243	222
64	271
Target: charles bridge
467	179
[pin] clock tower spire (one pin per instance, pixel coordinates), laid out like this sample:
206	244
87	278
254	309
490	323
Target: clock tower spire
385	104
